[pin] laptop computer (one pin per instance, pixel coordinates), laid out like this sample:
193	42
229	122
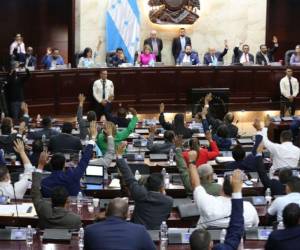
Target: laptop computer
94	174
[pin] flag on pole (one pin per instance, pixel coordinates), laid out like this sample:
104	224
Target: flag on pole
123	27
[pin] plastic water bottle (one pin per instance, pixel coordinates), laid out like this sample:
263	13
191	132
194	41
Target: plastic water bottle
171	157
87	138
280	226
79	201
81	238
268	196
105	176
223	235
137	175
163	172
29	236
151	63
167	180
2	115
79	155
163	236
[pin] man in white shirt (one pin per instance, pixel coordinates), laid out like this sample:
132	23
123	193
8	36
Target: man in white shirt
19	187
103	92
216	210
243	56
17	49
289	89
285	154
293	196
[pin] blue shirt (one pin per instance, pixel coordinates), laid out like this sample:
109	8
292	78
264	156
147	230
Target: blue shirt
49	59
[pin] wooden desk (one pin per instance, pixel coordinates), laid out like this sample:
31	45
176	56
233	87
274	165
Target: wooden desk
252	87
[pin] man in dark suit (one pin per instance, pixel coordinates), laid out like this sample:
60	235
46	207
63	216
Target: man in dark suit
53	214
115	232
155	43
47	130
265	55
201	239
158	148
152	206
288	238
65	142
188	56
213	57
179	44
242	56
30	60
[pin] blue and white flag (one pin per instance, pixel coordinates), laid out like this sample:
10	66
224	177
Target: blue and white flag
123	27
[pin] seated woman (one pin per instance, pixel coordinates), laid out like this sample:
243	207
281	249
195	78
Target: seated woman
86	61
146	57
178	125
295	58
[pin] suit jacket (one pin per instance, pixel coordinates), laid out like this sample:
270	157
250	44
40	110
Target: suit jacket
70	178
117	234
238	54
51	217
157	148
65	143
32	61
7	142
176	46
193	57
219	55
235	230
260	59
287	239
160	46
216	123
151	208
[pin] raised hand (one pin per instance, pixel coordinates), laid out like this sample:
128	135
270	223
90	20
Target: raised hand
237	181
161	108
81	99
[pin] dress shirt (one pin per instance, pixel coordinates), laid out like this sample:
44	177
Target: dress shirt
285	86
295	60
186	59
20	186
266	58
280	203
244	58
20	48
283	155
216	208
98	90
182	42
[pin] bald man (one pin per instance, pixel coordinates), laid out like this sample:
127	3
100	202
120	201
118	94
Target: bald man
155	43
30	60
115	233
213	57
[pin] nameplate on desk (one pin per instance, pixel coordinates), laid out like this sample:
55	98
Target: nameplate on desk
57	235
142	131
220	159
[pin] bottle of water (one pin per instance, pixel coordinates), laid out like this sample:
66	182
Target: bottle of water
223	235
171	157
29	236
167	180
151	63
105	176
268	196
2	116
163	236
280	226
79	201
87	138
81	238
79	155
137	175
163	172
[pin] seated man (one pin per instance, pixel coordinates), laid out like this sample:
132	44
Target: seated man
242	56
65	142
115	232
30	59
84	124
163	148
292	196
241	161
276	186
52	214
54	59
119	58
284	154
20	187
188	56
205	172
213	57
201	239
70	178
215	208
47	130
152	206
119	136
266	56
120	120
288	238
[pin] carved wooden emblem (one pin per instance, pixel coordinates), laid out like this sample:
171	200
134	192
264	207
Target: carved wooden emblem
174	11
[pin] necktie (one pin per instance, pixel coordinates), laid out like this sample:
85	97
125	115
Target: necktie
103	91
246	57
155	46
291	87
